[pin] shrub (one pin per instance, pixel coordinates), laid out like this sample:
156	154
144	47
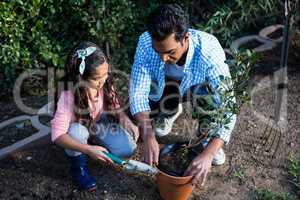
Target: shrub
232	19
25	38
39	33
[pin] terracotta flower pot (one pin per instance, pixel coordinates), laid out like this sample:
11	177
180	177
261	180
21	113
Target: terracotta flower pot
174	188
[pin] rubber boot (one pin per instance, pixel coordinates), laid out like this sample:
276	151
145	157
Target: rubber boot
80	173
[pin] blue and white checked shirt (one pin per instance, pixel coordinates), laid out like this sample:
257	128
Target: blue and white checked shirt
204	63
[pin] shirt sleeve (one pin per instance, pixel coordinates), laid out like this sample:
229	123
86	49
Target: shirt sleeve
140	81
63	115
215	71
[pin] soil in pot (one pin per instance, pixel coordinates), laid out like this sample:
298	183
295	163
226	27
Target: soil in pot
251	44
276	34
176	162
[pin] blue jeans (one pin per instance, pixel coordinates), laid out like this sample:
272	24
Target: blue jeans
109	135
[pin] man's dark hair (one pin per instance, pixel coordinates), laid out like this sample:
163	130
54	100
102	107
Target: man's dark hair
167	19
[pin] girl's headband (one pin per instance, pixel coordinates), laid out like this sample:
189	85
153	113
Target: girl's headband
83	53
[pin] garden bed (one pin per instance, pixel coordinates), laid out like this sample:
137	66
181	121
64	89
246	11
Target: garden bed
42	172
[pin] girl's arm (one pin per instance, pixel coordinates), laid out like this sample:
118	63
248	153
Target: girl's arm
67	142
60	126
92	151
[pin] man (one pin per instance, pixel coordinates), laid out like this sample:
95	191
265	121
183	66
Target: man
171	61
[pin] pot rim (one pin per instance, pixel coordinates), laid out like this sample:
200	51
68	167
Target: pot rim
178	180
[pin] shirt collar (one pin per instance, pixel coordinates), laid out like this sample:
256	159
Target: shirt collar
190	54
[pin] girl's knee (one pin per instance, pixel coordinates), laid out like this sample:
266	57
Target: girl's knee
127	147
78	132
127	151
117	140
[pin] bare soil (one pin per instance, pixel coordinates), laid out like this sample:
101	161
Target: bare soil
253	161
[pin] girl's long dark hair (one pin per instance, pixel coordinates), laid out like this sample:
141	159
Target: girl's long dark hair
71	82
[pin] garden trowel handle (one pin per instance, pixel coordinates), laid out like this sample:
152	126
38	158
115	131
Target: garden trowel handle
114	158
132	165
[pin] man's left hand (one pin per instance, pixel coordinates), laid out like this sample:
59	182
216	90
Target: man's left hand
199	168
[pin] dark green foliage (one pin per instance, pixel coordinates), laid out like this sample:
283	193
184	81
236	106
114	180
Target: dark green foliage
39	33
25	40
231	19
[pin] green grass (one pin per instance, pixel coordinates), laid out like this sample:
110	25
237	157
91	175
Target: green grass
240	175
266	194
294	171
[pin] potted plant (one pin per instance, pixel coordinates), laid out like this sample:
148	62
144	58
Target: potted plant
233	94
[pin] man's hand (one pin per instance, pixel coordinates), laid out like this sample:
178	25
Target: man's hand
129	126
150	146
133	131
201	165
199	168
150	150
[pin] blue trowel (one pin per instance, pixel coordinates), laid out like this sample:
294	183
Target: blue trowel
132	166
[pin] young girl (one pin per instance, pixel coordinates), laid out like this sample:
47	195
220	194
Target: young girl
81	111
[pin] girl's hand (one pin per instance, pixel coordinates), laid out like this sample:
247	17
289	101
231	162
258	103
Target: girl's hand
97	153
